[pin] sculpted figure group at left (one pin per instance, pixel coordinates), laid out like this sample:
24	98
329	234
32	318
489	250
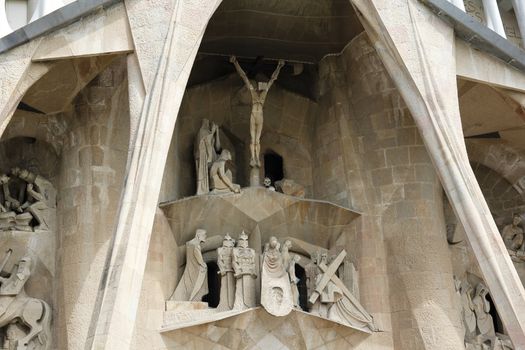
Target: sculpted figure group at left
27	201
24	321
210	162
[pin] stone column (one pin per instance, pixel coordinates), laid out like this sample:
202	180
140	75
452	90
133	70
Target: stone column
493	17
414	54
519	10
459	4
5	28
112	327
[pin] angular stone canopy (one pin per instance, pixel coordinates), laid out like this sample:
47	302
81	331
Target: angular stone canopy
275	214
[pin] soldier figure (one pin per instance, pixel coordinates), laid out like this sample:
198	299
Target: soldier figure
245	273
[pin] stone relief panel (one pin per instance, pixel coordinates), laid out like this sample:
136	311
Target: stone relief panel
25	322
478	322
27	202
283	271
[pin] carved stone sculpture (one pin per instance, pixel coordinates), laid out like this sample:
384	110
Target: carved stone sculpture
268	184
276	291
17	307
479	326
27	200
512	234
467	311
484	321
225	264
244	265
294	280
290	188
258	95
207	145
342	305
221	179
41	196
194	282
328	295
311	271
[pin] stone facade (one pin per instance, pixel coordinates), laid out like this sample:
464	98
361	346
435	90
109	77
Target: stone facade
392	153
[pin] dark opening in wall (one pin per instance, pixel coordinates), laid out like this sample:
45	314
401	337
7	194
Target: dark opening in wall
498	324
301	286
273	166
214	285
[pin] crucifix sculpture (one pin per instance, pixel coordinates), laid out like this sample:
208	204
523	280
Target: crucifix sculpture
258	95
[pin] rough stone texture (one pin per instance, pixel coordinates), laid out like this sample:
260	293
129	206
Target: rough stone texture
92	167
381	167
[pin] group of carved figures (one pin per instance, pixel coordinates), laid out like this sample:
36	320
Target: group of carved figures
210	162
237	267
25	201
25	322
480	333
210	159
238	264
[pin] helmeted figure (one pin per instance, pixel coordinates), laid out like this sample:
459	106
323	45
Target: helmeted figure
225	264
194	282
244	265
484	321
467	309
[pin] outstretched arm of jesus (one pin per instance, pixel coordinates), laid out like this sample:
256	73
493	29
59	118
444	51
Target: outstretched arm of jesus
241	73
274	77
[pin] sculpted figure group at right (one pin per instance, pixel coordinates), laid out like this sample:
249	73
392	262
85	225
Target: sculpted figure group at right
512	236
480	333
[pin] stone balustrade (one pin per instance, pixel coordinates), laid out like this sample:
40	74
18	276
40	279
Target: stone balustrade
492	12
15	15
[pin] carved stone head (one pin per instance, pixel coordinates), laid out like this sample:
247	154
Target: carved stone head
274	243
243	240
516	219
205	124
481	290
288	244
228	242
267	182
24	265
225	155
200	234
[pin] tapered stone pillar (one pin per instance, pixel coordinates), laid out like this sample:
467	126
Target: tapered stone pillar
417	55
493	17
519	10
459	4
112	327
5	28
